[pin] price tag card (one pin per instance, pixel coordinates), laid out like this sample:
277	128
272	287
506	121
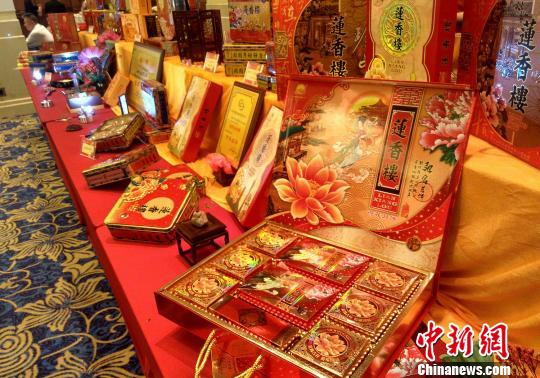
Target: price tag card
88	148
252	69
137	38
91	29
211	62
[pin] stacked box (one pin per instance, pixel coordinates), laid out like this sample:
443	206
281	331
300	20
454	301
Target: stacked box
236	56
121	167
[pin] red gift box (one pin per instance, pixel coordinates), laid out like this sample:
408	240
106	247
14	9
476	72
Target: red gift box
153	204
197	111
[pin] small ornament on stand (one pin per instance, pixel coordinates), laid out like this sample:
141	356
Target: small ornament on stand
86	115
199	218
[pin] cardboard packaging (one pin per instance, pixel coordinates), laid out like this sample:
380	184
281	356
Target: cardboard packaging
250	21
248	193
197	111
317	37
411	40
499	57
363	186
120	168
153	204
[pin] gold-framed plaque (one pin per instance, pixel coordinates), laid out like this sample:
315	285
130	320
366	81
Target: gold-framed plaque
247	193
240	122
146	64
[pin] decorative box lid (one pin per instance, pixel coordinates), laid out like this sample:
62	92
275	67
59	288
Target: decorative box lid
115	127
153	200
372	165
120	161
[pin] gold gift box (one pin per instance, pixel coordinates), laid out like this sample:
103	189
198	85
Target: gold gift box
366	346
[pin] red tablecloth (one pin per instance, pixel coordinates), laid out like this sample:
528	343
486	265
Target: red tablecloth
57	111
134	270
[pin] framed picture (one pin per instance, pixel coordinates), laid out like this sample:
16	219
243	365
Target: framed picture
146	64
247	194
240	122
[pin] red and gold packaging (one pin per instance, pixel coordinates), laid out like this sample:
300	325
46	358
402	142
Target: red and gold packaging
411	40
499	57
122	167
250	21
153	204
363	184
197	111
117	133
63	27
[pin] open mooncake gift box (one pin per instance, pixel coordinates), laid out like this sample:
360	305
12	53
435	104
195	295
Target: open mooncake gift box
336	281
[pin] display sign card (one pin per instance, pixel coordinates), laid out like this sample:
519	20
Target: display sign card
88	148
251	72
249	187
240	122
211	62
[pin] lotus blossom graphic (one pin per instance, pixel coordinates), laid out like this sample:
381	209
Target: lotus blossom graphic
86	55
313	191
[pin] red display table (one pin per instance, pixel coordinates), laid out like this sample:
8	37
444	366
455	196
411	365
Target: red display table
135	270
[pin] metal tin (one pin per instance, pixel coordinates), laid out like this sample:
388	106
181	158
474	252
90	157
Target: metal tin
153	204
121	167
117	133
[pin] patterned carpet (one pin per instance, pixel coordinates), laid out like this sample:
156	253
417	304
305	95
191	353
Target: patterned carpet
58	317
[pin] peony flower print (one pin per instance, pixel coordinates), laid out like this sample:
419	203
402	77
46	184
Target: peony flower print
446	123
313	191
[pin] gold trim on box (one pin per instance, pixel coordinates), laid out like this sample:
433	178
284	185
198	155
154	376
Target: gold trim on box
190	193
376	341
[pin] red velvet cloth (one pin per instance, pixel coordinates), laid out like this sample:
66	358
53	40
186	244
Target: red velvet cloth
37	93
135	270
